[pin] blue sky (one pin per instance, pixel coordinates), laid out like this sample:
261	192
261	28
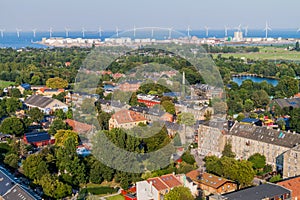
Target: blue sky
42	14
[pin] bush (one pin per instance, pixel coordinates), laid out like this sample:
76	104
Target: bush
99	190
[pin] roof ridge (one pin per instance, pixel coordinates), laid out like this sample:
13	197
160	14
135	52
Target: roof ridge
163	182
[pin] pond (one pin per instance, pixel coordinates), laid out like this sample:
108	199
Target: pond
255	79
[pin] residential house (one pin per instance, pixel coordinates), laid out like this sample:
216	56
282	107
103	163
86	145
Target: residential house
189	183
206	91
293	184
129	86
148	100
38	139
126	119
290	161
211	138
266	191
211	184
197	111
276	145
48	92
23	87
79	127
156	188
45	104
283	103
11	190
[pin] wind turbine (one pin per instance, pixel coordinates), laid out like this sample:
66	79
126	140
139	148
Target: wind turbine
100	31
170	33
117	31
238	28
226	30
206	29
67	31
2	32
188	31
18	32
134	31
246	30
34	32
83	32
50	32
267	28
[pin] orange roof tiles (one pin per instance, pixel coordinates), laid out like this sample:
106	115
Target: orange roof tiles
78	126
292	184
171	180
207	179
128	116
157	183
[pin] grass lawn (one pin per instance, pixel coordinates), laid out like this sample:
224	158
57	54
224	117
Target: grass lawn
267	53
4	84
117	197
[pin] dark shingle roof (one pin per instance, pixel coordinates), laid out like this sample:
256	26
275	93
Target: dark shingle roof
294	102
264	134
38	101
257	193
18	193
6	183
37	137
250	120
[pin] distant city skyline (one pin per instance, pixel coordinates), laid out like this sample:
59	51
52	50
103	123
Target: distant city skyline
92	14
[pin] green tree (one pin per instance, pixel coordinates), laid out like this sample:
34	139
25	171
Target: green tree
71	168
228	150
58	124
297	46
281	123
258	161
35	114
253	115
187	119
188	158
60	114
249	105
169	107
14	92
54	188
12	105
12	126
56	83
103	119
287	87
275	178
179	193
62	136
12	160
35	167
260	98
69	113
88	106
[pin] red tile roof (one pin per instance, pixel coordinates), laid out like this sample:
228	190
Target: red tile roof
157	183
128	116
165	182
171	180
292	184
78	126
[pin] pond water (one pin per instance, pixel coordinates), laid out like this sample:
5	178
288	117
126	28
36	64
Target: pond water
255	79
